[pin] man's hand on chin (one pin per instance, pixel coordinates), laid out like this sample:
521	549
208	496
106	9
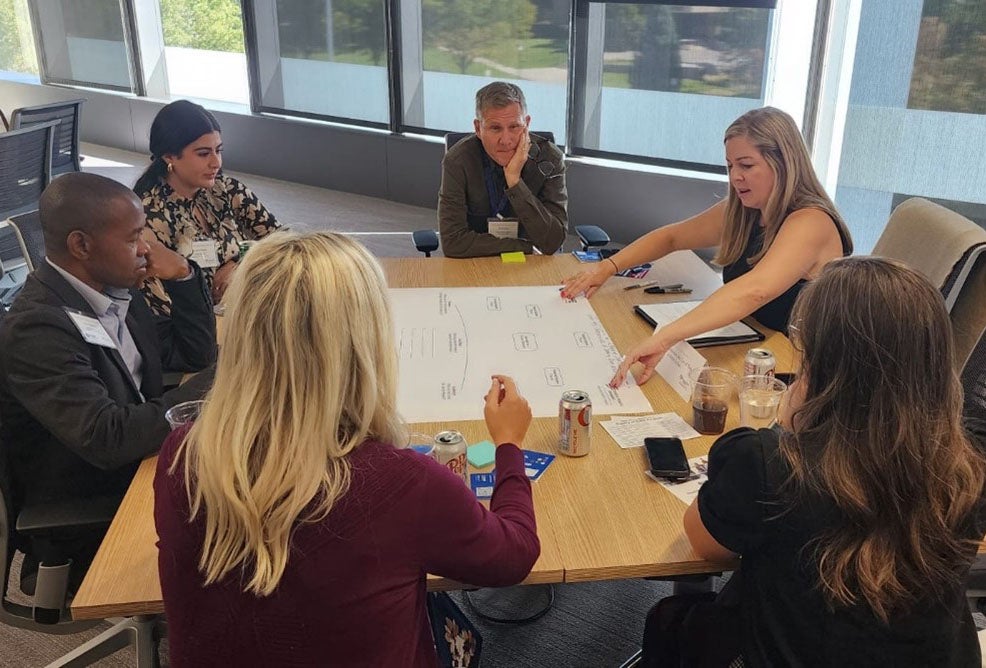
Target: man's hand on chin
511	173
162	262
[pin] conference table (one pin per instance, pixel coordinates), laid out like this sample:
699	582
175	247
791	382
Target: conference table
599	517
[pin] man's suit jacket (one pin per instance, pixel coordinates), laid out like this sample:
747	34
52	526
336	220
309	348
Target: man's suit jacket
539	201
71	418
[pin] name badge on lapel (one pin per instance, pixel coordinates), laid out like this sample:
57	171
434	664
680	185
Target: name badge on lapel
204	253
91	329
503	228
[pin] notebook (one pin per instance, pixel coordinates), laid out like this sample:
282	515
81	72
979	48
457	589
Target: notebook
659	315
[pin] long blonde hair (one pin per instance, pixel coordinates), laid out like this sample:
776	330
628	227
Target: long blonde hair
308	371
776	136
880	436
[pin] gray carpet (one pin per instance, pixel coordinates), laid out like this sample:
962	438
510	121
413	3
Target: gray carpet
293	204
590	625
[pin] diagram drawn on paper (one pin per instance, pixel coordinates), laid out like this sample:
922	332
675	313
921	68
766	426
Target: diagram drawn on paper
451	340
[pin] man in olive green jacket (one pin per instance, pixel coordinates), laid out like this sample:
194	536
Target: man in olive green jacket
503	189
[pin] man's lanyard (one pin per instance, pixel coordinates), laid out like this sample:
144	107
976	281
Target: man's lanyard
498	197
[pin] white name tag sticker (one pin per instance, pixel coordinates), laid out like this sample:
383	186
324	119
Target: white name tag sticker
92	330
503	228
204	253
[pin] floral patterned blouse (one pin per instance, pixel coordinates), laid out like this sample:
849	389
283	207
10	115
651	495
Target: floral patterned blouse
231	213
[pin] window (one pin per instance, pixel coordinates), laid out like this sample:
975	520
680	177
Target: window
321	58
452	48
203	49
949	71
85	42
16	40
658	80
915	123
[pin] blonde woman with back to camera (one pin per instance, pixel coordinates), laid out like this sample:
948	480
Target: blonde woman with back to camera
294	529
774	231
858	520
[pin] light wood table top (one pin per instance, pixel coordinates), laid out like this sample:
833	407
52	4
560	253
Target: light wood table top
599	517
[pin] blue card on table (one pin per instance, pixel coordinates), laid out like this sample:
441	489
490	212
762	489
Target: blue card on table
535	463
639	271
482	484
587	256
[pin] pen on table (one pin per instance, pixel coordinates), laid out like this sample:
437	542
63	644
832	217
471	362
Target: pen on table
651	285
667	290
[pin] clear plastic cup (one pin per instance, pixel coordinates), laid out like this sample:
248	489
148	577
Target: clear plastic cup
183	413
711	392
759	400
423	443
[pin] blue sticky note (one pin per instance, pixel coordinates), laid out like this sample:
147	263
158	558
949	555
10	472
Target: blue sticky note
535	463
482	484
481	454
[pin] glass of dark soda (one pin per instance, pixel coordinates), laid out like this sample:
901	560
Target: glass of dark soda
713	387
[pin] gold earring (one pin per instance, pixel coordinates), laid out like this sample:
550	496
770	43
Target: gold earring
171	168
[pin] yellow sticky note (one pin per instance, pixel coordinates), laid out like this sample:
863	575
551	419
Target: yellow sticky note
513	258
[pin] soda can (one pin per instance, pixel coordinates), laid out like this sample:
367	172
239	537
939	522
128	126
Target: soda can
244	247
759	362
450	450
574	423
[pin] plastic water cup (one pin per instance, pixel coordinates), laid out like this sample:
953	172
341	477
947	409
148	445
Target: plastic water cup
759	400
423	443
183	413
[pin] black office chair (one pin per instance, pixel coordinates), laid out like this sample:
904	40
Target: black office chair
25	167
49	611
30	238
25	171
65	150
19	524
427	242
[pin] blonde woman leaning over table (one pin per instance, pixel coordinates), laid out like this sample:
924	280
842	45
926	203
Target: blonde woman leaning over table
776	230
858	520
191	206
294	527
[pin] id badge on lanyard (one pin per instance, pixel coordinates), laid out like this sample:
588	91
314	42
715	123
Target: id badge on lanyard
496	224
205	253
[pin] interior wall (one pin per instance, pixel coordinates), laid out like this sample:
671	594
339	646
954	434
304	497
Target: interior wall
624	201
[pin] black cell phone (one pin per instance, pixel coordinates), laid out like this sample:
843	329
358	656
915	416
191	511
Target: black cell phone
667	458
786	378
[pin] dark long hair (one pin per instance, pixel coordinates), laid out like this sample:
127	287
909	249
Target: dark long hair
880	436
176	126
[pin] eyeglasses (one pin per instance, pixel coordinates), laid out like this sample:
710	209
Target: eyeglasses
546	167
795	336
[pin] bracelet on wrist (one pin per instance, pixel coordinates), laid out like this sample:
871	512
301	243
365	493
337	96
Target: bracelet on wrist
616	268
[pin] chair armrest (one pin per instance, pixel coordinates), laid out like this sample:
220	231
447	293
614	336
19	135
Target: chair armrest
591	236
426	241
94	512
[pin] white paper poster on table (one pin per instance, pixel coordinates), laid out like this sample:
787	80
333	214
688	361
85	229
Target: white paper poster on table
451	340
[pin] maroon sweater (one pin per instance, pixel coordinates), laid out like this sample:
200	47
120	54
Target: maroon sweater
353	592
